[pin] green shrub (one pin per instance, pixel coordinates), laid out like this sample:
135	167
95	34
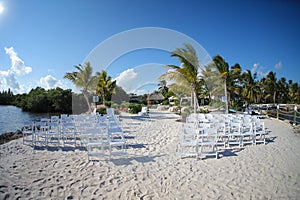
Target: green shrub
135	108
165	102
124	104
101	111
204	111
108	104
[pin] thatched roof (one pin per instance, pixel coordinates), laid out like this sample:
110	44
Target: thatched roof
156	97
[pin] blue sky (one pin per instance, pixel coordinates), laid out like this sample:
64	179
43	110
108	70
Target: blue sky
42	40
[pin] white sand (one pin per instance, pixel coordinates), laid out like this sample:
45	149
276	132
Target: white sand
153	168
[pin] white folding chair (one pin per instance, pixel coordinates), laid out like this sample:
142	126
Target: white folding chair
68	134
116	141
54	119
209	142
247	133
40	132
222	134
189	141
95	143
259	132
28	132
234	134
53	134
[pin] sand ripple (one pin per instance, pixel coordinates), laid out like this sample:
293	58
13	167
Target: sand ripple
153	169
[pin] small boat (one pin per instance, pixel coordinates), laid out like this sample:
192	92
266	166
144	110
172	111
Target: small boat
232	111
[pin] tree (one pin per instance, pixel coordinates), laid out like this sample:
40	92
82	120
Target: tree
187	73
105	86
234	82
294	92
163	89
6	97
231	77
37	101
223	68
61	100
214	86
84	80
271	84
250	90
282	90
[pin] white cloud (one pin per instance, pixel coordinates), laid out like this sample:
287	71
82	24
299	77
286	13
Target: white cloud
257	68
278	65
141	92
49	82
254	68
17	64
126	80
8	78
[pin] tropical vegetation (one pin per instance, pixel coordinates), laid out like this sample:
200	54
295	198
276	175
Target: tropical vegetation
84	80
106	86
218	80
217	83
186	75
39	100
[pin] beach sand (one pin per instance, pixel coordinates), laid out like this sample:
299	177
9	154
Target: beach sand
153	168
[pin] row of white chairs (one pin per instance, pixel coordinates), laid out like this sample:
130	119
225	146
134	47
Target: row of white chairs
202	135
97	133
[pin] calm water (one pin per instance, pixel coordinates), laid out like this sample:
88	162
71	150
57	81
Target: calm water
12	118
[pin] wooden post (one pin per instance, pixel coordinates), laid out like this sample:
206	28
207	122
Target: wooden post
295	115
277	111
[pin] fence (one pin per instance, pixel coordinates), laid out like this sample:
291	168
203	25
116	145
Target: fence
281	111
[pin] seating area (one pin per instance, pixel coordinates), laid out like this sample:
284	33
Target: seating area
100	135
205	135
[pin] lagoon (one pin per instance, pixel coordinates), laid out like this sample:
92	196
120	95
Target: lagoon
12	118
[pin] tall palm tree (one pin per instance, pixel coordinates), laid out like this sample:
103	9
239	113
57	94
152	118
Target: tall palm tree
105	86
223	68
250	89
163	87
294	92
84	80
271	82
212	82
187	73
283	90
234	82
231	78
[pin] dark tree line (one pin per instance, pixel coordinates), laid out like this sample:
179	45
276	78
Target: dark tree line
6	97
40	100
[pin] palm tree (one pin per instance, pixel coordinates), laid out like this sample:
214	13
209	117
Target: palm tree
202	89
234	82
163	87
212	82
250	90
294	92
105	86
187	73
223	68
283	90
231	78
271	82
84	80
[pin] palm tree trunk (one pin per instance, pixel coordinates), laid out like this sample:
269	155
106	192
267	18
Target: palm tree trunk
87	101
191	97
195	101
103	97
226	100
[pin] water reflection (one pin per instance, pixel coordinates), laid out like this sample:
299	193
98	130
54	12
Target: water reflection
12	118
